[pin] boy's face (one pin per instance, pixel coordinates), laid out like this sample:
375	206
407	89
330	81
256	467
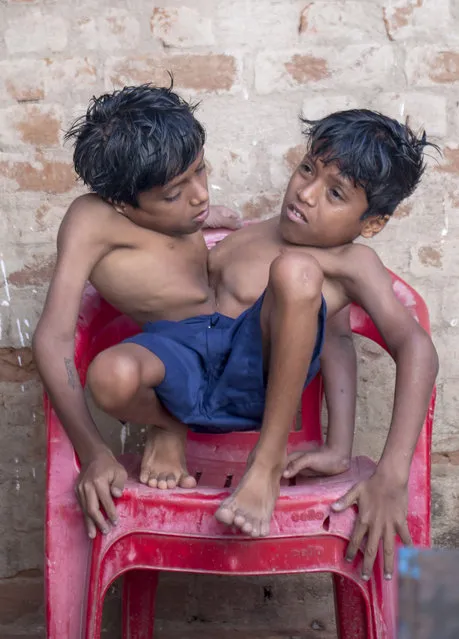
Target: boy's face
323	208
180	207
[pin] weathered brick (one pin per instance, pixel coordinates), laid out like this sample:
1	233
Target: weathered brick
181	27
200	73
426	259
20	596
317	106
432	65
445	505
16	365
420	19
44	31
450	161
115	29
448	306
280	172
19	312
72	75
262	206
32	217
257	23
37	124
342	20
231	166
446	435
322	68
37	175
421	110
36	272
22	79
448	350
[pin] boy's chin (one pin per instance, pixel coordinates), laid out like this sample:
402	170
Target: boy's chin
293	233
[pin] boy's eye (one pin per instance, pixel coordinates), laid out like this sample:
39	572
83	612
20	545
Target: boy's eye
306	168
172	198
335	194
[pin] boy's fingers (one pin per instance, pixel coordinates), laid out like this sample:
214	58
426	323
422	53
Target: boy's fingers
347	500
90	526
107	502
371	550
118	482
404	534
389	552
93	510
358	534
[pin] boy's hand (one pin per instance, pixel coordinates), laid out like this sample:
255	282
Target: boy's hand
223	217
382	505
320	461
100	480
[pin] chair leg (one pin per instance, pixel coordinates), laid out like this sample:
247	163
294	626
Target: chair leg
139	594
67	550
351	616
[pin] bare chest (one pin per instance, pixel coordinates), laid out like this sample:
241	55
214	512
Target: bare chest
160	280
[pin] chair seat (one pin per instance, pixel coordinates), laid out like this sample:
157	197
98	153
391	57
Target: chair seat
302	509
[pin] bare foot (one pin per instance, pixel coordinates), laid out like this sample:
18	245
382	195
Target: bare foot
251	505
163	463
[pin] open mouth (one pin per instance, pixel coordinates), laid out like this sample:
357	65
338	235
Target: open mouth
201	217
294	214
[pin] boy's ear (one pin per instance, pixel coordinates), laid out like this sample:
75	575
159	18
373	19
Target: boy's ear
373	225
120	207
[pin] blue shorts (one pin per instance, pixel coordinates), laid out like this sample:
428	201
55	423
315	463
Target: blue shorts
214	379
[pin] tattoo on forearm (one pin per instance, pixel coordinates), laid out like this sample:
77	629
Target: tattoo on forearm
71	372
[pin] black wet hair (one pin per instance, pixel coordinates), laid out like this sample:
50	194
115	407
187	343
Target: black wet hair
383	156
134	139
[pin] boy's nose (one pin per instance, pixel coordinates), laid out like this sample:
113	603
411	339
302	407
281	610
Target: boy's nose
308	194
200	195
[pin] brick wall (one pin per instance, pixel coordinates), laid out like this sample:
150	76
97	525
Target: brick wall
255	66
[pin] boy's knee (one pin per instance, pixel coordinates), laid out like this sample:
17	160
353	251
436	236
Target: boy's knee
113	380
296	276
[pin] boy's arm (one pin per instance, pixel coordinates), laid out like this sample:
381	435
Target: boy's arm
339	373
78	250
382	499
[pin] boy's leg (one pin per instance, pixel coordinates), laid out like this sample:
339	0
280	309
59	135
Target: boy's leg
289	328
122	380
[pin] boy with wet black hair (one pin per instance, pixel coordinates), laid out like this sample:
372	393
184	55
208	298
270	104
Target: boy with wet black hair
359	165
138	238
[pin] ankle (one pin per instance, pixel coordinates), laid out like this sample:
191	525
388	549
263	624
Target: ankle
268	464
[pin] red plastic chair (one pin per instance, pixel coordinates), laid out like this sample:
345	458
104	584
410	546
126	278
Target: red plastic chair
176	529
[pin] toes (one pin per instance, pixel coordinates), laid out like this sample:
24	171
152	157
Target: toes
167	480
144	476
264	530
171	481
187	481
153	480
247	528
239	520
225	515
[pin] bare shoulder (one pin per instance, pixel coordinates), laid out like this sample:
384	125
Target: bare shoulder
360	263
88	217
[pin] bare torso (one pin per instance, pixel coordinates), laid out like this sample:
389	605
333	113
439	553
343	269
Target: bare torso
239	267
151	276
